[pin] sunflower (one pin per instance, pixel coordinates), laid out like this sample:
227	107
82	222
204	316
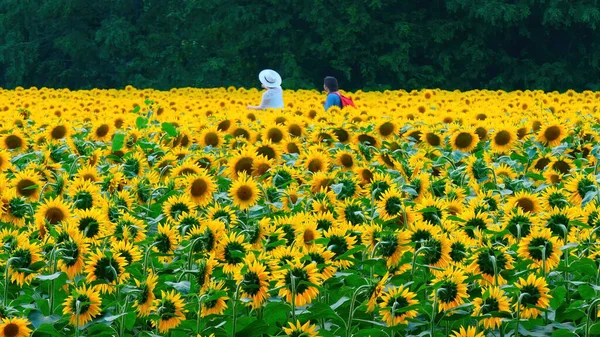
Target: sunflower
464	140
552	133
88	173
340	243
452	290
490	263
222	213
74	249
299	330
460	249
15	327
200	188
352	212
494	300
14	142
27	184
470	331
262	166
5	163
432	210
322	258
307	233
82	305
92	224
518	223
542	248
210	137
528	202
345	159
316	161
128	250
268	150
205	269
185	168
176	205
101	131
170	310
107	268
84	194
559	220
129	228
392	245
398	305
503	139
144	303
241	162
301	278
533	294
579	186
167	239
21	259
14	209
232	251
291	197
254	281
245	192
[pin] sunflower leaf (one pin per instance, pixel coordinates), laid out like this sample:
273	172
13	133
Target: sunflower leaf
141	122
183	286
49	277
169	129
117	142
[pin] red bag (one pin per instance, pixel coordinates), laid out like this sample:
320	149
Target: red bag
346	101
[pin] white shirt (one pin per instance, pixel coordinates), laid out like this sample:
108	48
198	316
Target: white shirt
272	99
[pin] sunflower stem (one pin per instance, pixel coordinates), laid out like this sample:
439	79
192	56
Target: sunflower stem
53	261
293	301
433	311
587	322
351	312
77	311
146	256
234	311
6	282
122	319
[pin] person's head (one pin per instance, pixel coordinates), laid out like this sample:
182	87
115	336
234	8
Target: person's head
330	84
269	79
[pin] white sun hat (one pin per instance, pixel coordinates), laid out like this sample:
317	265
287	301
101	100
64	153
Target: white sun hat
270	78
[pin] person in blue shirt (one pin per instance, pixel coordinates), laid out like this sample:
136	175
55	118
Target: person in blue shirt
331	87
273	97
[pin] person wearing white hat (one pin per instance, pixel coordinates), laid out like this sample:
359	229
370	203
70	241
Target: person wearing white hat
273	97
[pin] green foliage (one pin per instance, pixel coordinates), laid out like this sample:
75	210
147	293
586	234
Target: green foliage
369	44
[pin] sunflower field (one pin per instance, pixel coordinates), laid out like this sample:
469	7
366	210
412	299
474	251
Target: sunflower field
180	213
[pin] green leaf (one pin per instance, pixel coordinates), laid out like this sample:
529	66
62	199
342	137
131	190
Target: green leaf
118	141
369	333
169	129
136	109
276	313
563	333
38	320
255	328
141	122
49	277
47	329
586	291
183	286
558	296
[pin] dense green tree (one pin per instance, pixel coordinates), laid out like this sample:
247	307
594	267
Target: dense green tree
370	44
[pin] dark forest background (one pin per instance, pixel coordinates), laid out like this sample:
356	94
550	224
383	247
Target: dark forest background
372	45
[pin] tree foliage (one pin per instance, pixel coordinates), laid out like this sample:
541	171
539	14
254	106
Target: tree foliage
368	44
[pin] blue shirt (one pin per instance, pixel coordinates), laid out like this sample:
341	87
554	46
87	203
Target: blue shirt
332	99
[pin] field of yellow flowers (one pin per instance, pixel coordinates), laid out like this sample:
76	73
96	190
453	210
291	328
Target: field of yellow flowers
425	213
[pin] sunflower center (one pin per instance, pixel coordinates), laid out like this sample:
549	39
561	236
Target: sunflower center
540	248
244	193
239	132
211	139
552	133
11	330
295	130
89	226
448	291
530	295
251	283
107	269
266	151
366	175
386	129
84	304
458	251
244	165
22	258
342	135
198	188
13	142
433	139
346	160
59	132
54	215
234	252
315	165
485	262
308	236
224	125
83	200
502	138
369	140
300	277
102	130
464	140
26	187
526	204
275	135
